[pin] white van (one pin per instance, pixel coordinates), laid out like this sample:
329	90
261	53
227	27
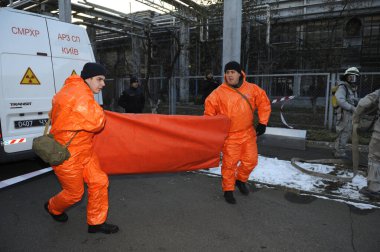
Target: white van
37	54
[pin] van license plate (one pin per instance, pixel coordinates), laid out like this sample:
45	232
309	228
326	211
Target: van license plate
30	123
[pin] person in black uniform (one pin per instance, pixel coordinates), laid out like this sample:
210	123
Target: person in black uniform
133	99
209	84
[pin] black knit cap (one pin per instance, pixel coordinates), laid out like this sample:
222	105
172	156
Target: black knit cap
91	69
133	79
232	65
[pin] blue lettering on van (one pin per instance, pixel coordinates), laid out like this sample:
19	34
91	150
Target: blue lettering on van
25	31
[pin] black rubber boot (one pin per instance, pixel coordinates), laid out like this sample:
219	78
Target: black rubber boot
103	228
243	188
60	217
229	197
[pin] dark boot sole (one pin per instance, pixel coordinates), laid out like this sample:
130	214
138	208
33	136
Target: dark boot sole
242	188
93	230
230	199
59	218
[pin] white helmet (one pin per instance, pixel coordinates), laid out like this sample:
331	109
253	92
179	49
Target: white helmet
352	71
352	76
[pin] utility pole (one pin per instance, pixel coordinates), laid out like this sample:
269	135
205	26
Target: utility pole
64	7
184	38
232	18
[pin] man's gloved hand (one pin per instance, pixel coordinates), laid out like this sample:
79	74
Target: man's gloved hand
260	129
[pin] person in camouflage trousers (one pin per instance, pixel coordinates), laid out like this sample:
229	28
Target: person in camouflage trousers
368	103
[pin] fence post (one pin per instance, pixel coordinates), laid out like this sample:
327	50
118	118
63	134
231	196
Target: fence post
327	100
172	97
118	89
297	85
330	84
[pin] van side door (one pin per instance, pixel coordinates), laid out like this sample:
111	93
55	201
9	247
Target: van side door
26	78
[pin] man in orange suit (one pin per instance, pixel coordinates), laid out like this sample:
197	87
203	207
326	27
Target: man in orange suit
76	115
238	99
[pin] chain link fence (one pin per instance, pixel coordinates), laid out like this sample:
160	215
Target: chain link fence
309	107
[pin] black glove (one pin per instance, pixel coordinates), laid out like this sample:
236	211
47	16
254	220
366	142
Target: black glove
260	129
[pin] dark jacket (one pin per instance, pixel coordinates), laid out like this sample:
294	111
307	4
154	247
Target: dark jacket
132	100
208	86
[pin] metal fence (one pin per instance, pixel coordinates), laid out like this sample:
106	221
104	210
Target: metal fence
310	108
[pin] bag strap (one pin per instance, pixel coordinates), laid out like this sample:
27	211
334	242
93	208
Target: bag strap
71	139
46	130
47	126
245	98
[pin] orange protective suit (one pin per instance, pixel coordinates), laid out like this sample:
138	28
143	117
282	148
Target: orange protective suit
75	109
240	144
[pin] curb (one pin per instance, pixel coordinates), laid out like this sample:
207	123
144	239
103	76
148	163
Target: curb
330	145
21	178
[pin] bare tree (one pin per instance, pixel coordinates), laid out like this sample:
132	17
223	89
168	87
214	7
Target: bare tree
154	103
153	92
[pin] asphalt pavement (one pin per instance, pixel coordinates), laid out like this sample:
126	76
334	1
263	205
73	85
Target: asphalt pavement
187	212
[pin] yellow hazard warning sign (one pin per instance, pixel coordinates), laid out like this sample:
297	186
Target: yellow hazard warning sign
30	78
73	72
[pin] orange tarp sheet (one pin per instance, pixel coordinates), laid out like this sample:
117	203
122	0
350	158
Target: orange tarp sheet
152	143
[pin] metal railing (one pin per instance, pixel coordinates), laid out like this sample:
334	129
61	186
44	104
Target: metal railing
311	107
